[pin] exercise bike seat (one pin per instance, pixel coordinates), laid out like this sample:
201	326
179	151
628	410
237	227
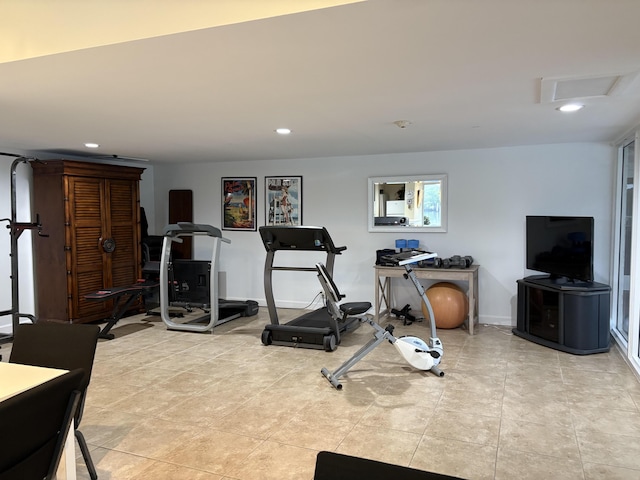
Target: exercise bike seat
354	308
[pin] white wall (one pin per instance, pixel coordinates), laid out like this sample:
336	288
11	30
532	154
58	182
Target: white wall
490	193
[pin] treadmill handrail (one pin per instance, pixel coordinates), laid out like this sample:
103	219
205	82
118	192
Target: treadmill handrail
188	228
172	233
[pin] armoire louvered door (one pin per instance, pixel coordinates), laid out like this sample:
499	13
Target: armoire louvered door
91	212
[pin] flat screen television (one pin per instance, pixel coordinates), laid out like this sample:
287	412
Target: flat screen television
561	247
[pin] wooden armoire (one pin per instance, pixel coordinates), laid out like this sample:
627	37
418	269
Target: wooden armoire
90	214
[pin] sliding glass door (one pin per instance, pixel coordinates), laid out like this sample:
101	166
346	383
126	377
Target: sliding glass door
625	228
626	288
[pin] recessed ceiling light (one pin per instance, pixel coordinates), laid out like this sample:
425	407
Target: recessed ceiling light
570	107
91	145
283	131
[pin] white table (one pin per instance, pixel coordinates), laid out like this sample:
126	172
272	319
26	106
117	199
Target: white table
384	292
16	378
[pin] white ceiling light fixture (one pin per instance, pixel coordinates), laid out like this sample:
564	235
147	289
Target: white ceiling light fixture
402	123
91	145
283	131
570	107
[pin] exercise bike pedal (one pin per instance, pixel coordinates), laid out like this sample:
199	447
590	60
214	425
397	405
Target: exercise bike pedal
433	353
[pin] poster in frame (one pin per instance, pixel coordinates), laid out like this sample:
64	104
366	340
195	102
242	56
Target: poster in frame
283	200
239	203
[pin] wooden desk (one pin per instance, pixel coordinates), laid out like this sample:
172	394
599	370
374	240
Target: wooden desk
16	378
384	292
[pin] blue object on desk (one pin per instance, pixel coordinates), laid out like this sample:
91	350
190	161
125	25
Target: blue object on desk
401	243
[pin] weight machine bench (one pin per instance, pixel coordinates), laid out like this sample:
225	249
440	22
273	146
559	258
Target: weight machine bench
123	298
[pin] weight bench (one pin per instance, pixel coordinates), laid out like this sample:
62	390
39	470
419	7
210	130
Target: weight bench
123	298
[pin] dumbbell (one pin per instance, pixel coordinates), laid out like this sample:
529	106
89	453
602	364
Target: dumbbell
431	263
457	262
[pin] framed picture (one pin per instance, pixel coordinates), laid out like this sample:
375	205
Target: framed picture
239	203
283	200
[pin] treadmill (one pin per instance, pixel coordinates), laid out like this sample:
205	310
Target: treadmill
197	284
316	329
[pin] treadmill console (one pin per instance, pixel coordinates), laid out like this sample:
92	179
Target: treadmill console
297	238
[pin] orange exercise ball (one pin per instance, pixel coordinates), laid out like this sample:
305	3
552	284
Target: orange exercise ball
449	303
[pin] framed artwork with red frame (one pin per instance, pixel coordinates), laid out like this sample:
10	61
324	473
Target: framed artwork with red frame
239	203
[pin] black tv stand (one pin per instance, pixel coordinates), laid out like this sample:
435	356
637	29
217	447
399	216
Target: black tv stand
571	317
564	283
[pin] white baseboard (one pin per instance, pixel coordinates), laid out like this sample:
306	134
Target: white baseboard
497	320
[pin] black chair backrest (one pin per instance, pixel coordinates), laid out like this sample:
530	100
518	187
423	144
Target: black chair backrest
56	345
34	426
336	466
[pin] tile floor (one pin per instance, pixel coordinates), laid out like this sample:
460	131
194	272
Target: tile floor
177	405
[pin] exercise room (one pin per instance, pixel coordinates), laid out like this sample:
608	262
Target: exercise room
338	240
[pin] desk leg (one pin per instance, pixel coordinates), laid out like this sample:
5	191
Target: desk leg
376	316
67	468
389	295
476	295
383	288
473	293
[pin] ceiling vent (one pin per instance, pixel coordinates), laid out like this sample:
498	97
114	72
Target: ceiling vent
563	89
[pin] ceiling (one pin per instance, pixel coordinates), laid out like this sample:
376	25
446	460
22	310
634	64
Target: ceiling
194	82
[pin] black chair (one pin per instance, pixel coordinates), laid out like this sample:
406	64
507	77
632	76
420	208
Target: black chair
336	466
60	345
34	426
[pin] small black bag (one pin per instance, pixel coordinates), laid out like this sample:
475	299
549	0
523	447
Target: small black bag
382	253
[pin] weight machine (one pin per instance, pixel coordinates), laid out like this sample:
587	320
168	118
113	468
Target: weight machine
15	229
414	350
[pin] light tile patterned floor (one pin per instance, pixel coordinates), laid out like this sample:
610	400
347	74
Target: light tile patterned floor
177	405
